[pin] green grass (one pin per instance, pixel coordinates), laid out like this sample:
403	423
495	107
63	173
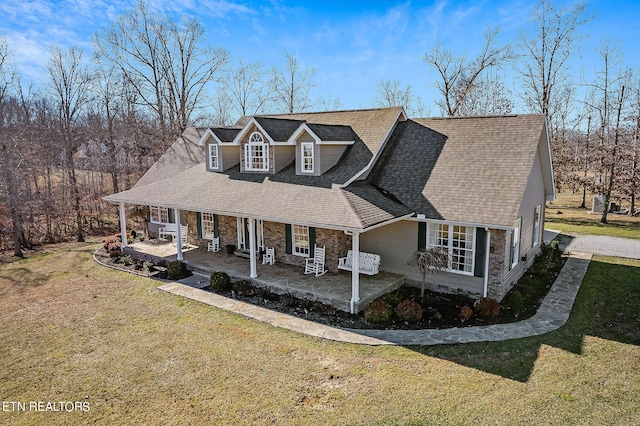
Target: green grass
141	356
565	215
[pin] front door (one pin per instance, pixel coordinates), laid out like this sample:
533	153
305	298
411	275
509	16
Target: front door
243	234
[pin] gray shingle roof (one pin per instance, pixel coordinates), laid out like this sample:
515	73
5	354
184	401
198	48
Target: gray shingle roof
461	169
471	170
181	155
225	134
335	133
260	196
371	125
280	130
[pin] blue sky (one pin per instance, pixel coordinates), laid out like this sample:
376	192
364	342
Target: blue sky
353	45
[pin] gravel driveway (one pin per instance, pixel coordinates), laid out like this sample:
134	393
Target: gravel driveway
597	244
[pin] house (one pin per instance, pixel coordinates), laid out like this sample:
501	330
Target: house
369	181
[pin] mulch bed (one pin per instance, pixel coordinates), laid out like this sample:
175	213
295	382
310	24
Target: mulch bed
439	310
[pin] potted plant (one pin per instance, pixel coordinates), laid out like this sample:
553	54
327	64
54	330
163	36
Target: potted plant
231	248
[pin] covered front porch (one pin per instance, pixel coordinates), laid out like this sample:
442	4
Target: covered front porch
334	289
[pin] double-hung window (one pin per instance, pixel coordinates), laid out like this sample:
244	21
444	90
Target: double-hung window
207	225
213	157
307	157
536	225
159	214
256	153
457	240
515	243
300	240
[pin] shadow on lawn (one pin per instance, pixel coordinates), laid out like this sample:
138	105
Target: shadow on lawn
606	307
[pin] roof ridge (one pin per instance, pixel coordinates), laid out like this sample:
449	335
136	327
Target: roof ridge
331	112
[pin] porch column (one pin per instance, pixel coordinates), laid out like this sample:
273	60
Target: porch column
123	225
487	251
178	234
355	272
252	248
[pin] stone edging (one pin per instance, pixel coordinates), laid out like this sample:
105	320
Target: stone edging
552	314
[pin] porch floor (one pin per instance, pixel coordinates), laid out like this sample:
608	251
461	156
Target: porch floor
331	288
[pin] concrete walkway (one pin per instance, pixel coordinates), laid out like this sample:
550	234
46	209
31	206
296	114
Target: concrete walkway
552	314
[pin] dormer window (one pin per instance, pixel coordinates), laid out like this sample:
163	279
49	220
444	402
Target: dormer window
256	153
307	157
213	156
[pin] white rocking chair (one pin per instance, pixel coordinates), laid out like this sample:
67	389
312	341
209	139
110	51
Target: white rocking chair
269	256
214	245
315	265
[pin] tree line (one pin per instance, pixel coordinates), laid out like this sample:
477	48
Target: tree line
99	122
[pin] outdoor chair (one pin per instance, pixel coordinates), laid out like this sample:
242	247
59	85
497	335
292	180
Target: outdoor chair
315	264
214	245
269	256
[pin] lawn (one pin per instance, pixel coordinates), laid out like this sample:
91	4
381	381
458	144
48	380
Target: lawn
75	331
565	215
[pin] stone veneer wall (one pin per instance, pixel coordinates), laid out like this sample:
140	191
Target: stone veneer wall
191	221
336	245
501	277
227	230
497	248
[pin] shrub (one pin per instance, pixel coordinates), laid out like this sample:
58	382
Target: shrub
220	280
515	302
466	312
378	311
409	310
487	307
177	270
126	260
147	264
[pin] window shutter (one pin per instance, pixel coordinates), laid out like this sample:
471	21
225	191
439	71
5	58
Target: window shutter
422	235
312	241
288	238
481	252
170	215
199	224
216	231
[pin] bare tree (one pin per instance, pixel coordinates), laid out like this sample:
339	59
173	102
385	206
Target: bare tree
70	85
187	67
246	87
389	93
11	151
329	103
291	84
459	76
163	61
488	97
546	52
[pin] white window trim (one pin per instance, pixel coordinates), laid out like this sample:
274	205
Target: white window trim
203	226
302	157
450	247
537	218
294	247
516	237
247	153
158	209
217	157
